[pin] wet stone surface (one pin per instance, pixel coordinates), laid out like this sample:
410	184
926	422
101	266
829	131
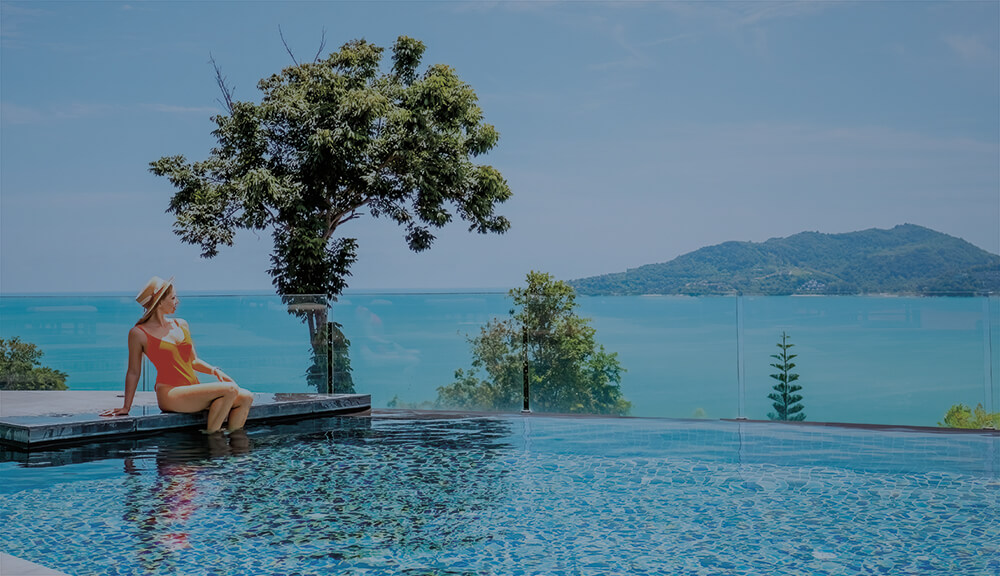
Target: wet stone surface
30	419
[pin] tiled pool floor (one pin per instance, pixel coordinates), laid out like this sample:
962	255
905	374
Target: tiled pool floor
512	495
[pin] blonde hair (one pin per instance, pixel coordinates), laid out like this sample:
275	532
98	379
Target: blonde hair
149	313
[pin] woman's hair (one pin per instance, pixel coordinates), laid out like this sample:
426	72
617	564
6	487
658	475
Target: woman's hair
145	318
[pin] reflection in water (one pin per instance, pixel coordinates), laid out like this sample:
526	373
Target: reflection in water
349	493
344	493
163	513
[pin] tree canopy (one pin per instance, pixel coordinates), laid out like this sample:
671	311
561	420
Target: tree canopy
569	371
329	139
961	416
20	368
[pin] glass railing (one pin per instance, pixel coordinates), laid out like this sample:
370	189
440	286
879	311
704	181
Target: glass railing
860	359
879	360
404	346
253	338
676	356
886	360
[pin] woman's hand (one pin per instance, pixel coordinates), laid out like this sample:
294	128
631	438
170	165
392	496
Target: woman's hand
222	376
116	412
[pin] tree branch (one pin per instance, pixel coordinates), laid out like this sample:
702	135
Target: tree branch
287	49
227	92
322	45
334	221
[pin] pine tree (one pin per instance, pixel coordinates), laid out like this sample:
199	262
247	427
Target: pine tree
785	399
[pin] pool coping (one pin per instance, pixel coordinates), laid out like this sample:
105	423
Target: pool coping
34	419
14	566
413	413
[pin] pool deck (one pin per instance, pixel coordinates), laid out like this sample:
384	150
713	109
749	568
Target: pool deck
30	419
13	566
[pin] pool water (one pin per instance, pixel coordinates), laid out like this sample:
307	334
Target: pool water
512	495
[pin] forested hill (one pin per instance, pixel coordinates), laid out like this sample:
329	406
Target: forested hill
907	259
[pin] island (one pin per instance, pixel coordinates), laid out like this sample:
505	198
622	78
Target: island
904	260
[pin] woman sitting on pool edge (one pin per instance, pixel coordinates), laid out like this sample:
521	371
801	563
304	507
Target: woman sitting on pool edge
168	345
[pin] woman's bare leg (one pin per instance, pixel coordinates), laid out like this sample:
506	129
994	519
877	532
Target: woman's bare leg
217	397
240	410
218	412
238	442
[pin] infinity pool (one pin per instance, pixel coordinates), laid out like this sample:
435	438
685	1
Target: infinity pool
512	495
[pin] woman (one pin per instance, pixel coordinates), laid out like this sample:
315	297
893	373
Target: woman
168	345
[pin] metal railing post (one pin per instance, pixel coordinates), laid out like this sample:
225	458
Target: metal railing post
526	409
741	392
988	400
329	357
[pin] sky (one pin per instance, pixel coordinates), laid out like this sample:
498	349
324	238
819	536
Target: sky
630	132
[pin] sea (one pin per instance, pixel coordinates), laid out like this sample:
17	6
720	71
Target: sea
860	359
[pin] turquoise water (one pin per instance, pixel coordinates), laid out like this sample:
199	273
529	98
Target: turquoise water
861	359
512	495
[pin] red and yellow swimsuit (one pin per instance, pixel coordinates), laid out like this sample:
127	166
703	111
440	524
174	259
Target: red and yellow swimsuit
174	361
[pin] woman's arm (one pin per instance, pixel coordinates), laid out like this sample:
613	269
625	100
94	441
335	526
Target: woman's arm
200	365
135	343
206	368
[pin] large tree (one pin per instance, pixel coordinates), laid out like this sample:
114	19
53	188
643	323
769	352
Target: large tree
569	370
330	140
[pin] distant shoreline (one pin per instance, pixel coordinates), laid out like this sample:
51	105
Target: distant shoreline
498	291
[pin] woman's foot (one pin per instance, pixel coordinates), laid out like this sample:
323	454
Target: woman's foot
239	443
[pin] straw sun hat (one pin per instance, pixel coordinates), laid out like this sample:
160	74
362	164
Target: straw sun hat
151	294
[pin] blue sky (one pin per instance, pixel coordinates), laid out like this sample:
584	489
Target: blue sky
631	132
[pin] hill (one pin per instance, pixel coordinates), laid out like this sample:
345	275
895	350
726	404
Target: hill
906	259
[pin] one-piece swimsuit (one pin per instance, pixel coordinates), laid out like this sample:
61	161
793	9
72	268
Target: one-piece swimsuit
174	361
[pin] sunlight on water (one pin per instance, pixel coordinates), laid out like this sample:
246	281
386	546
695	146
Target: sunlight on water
512	496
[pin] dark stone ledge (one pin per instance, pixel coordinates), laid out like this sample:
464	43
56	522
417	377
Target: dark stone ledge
30	419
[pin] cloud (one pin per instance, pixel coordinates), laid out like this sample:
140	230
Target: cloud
13	113
173	109
739	14
670	39
634	58
17	114
13	15
756	13
968	48
483	6
704	17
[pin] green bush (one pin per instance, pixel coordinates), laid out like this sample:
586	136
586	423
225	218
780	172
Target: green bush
960	416
20	369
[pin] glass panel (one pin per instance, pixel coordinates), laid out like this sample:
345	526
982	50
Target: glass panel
868	359
991	351
677	353
83	336
404	346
